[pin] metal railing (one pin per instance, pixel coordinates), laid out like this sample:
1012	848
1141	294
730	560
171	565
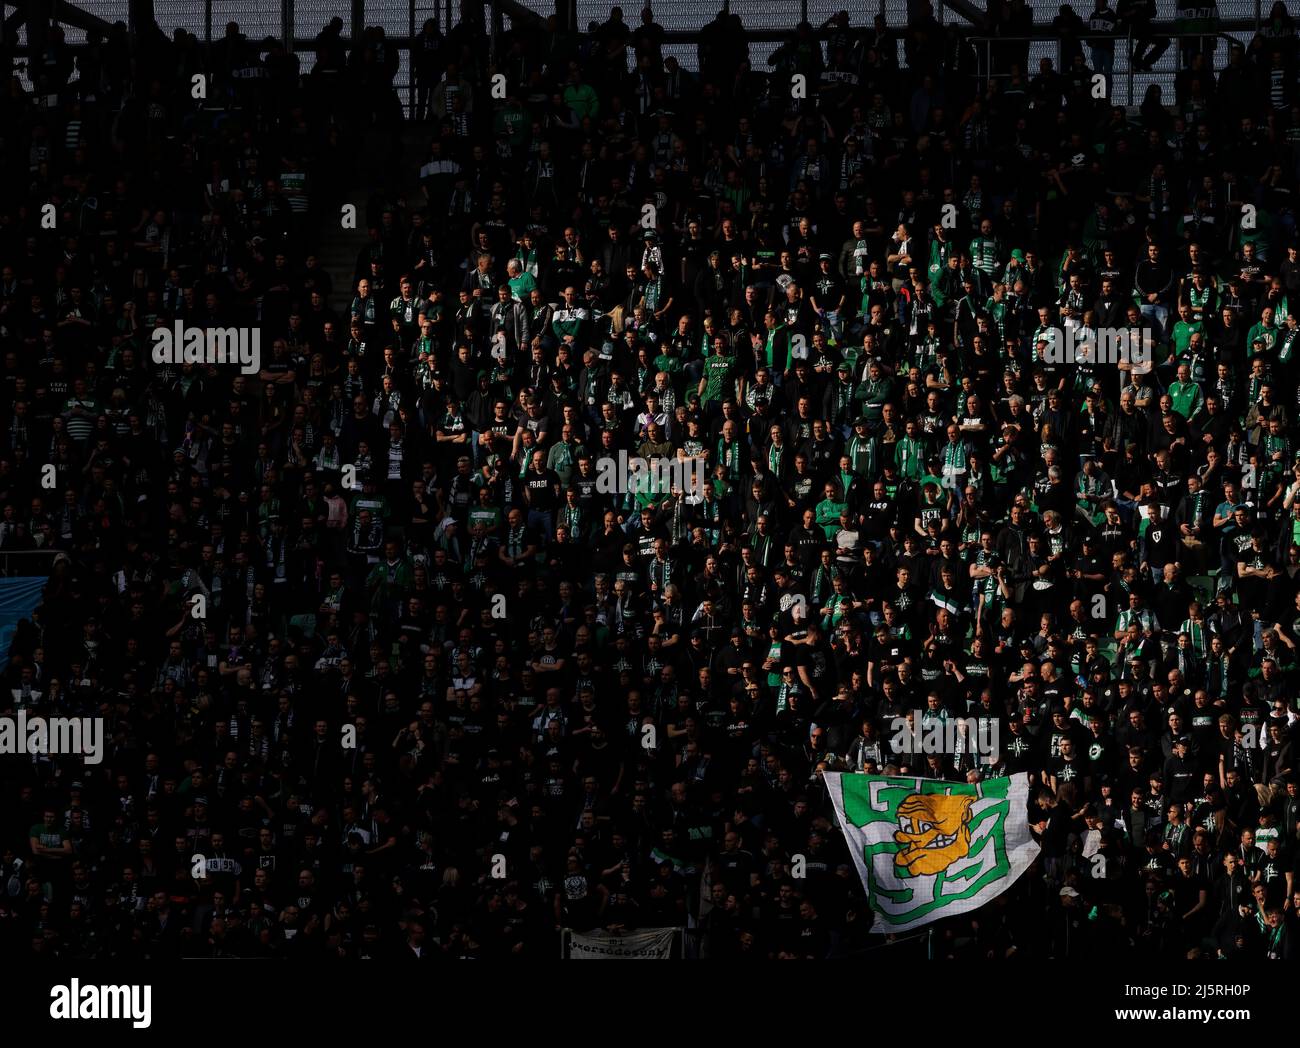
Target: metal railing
501	15
27	562
1052	46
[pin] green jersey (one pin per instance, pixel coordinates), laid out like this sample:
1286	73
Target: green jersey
718	372
1183	332
522	286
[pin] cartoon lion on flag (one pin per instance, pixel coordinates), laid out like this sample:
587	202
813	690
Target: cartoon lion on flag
933	833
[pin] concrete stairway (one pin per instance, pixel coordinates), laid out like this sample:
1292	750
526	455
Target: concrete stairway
388	170
337	248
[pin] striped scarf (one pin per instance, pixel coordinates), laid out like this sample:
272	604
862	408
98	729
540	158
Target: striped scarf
729	456
862	453
1195	631
661	573
823	583
571	518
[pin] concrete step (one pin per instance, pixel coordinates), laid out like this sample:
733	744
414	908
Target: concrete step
388	171
338	247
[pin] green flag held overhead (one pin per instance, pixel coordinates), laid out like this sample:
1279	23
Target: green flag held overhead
927	849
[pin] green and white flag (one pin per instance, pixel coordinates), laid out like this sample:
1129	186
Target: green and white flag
927	849
942	600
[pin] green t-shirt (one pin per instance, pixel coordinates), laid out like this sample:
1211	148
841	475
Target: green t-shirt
488	516
49	838
668	362
1186	397
718	371
521	286
1267	332
582	99
828	516
1183	332
514	123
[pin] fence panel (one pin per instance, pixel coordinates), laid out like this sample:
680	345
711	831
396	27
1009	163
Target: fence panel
258	21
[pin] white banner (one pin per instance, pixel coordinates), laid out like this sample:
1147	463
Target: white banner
654	945
927	849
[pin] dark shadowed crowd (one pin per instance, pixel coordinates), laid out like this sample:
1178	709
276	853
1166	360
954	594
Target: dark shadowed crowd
676	436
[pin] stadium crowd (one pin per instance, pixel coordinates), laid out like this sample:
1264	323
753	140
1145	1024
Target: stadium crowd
397	653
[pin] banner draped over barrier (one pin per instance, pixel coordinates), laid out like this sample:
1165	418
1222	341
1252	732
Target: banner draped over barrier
655	945
19	597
